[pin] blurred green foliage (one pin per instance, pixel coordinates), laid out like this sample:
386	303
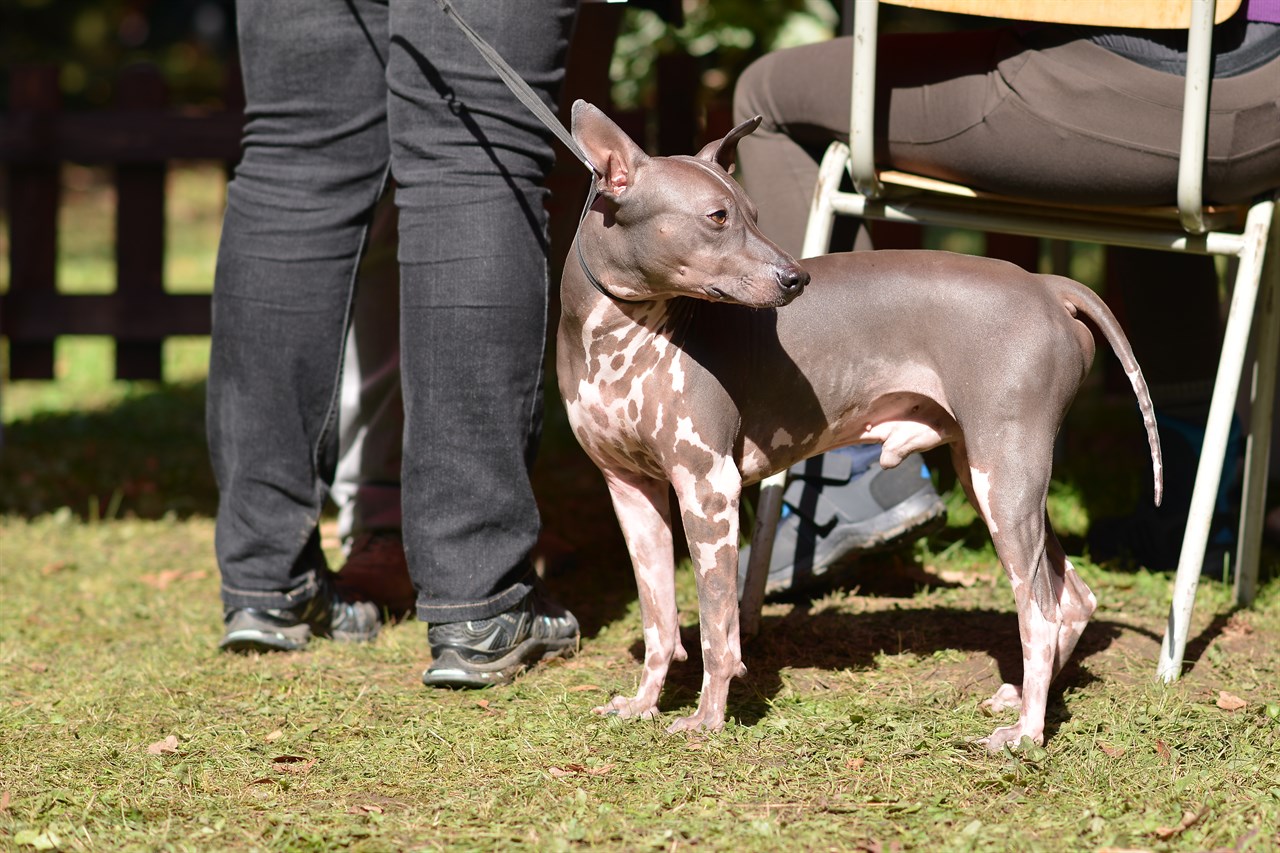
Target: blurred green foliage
91	40
723	35
191	40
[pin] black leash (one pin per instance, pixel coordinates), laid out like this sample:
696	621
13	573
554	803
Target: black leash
516	84
530	99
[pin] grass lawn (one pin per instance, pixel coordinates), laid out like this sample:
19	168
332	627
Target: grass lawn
121	728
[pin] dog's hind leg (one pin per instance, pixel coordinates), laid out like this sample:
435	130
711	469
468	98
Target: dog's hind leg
1076	604
709	510
644	512
1008	482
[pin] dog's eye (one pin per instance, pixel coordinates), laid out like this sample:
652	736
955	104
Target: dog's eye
718	217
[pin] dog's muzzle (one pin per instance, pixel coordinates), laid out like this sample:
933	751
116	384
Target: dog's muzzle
791	280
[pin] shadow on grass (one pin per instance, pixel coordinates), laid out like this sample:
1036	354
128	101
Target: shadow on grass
834	641
144	457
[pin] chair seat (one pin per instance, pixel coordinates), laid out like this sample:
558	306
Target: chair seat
1216	217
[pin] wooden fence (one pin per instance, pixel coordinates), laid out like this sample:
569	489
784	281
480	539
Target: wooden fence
138	138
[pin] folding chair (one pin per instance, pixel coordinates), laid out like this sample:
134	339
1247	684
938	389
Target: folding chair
1242	232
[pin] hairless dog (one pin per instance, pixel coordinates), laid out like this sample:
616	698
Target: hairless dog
682	359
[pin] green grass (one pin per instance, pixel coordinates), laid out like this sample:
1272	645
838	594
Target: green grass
852	727
851	731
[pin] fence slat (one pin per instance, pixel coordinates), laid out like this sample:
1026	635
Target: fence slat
43	315
34	190
140	226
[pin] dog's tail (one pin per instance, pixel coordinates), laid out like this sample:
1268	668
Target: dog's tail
1080	300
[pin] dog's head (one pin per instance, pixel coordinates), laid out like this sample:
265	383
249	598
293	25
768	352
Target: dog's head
686	227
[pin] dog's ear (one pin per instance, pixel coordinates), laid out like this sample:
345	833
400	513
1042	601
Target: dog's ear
721	151
612	154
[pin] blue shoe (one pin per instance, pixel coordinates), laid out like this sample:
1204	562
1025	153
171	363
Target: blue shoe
843	504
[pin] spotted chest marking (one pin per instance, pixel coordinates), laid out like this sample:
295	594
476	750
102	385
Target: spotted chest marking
629	376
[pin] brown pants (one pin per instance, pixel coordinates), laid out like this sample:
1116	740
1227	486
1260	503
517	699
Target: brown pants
1069	121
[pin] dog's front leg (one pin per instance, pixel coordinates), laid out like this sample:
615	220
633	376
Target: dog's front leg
709	509
644	512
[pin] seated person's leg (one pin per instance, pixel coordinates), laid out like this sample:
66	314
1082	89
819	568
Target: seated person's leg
841	504
1066	120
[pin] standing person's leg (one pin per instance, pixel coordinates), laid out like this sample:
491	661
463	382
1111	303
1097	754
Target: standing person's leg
469	163
315	160
366	485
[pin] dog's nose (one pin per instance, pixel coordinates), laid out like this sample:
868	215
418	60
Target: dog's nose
791	279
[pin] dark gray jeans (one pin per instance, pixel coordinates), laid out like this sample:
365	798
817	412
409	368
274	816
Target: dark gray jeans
341	95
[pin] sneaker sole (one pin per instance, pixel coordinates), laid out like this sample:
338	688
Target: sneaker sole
249	640
451	670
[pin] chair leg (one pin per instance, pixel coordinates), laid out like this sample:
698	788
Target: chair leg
1213	452
822	215
817	241
768	513
1258	449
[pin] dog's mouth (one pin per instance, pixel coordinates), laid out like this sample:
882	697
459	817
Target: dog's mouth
775	299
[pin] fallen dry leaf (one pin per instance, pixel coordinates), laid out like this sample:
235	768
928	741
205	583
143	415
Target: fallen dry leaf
583	688
1111	751
292	764
164	747
855	763
55	567
4	801
162	580
1162	750
580	770
1237	626
365	808
38	667
1189	819
1228	702
276	735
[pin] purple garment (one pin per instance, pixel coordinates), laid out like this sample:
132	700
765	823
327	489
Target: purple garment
1263	10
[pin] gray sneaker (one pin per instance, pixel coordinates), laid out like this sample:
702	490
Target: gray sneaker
842	504
485	652
253	629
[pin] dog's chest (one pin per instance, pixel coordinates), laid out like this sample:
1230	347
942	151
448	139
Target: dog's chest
627	400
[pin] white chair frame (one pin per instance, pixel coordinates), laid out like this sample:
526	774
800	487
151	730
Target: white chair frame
1194	229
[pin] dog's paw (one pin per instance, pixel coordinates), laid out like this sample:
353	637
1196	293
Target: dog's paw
697	722
1008	696
628	708
1009	735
